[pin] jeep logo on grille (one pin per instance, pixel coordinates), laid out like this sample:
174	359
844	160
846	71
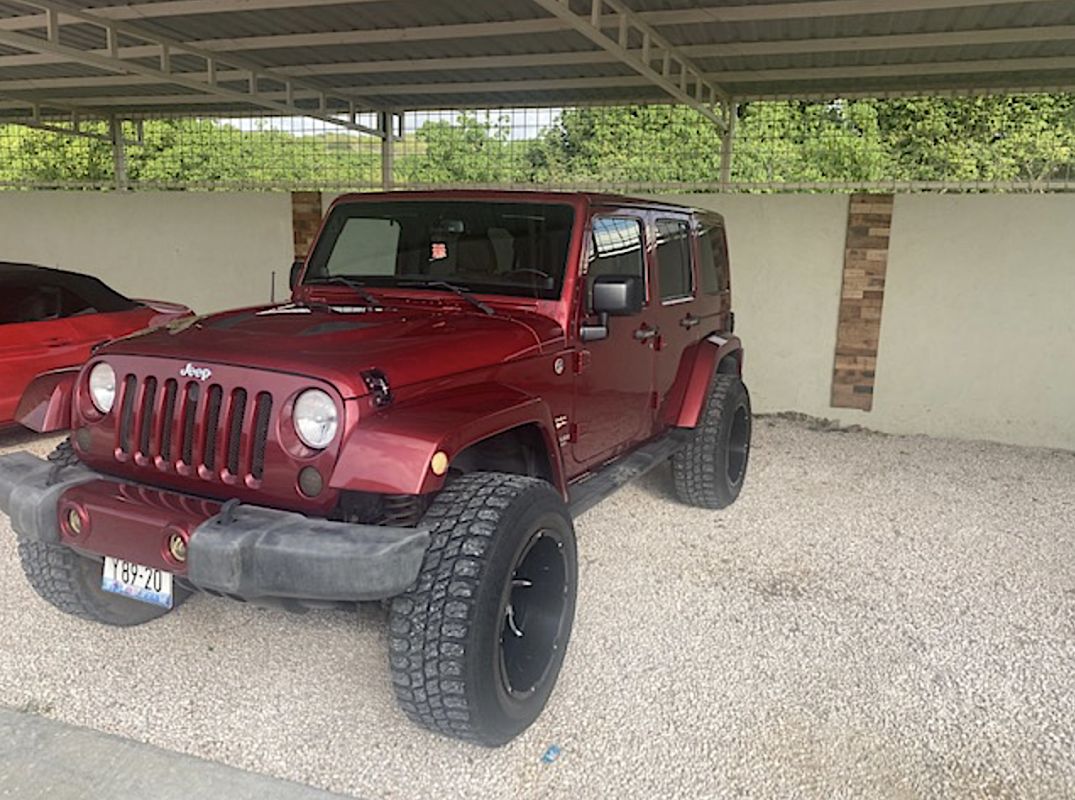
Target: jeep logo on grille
191	371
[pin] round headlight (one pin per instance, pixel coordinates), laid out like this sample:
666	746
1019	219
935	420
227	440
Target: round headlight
316	420
103	387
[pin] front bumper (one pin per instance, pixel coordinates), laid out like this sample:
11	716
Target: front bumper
245	552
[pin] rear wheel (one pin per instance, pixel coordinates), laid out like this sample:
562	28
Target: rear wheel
709	471
477	643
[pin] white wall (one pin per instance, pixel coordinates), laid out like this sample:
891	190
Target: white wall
787	266
977	335
209	250
978	327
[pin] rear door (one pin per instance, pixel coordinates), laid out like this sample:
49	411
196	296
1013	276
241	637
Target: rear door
675	310
614	385
714	276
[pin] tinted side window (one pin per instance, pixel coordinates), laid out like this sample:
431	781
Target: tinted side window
617	247
674	258
36	303
713	270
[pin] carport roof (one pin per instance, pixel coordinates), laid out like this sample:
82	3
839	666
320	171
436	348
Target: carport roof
324	57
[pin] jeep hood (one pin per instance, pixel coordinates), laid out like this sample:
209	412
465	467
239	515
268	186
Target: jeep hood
408	345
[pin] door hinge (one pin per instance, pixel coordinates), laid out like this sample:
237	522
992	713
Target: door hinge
654	400
582	361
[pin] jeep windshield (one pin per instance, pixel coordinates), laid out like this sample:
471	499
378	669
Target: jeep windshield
490	247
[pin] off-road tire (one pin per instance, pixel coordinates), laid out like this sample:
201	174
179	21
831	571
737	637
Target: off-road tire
72	583
445	631
709	470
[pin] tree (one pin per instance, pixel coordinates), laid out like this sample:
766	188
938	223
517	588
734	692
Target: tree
639	144
29	156
1029	138
468	150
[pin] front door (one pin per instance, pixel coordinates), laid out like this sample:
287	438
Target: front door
26	350
614	386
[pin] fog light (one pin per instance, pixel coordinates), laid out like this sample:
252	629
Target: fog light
82	438
74	521
177	547
439	463
310	482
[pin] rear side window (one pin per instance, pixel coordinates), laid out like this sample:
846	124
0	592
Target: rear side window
713	269
617	247
674	258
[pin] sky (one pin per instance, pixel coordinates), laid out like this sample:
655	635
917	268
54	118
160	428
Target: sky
523	123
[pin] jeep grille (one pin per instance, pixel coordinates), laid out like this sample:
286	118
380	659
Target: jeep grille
194	429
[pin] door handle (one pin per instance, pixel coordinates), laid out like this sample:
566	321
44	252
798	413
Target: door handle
690	321
645	334
56	343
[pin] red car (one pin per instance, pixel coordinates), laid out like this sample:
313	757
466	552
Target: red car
51	320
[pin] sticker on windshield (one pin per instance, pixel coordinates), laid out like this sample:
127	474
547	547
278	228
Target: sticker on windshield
439	251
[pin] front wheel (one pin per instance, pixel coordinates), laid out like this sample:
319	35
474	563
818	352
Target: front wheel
476	644
72	583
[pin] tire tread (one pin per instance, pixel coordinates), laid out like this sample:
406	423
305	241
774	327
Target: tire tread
696	468
429	625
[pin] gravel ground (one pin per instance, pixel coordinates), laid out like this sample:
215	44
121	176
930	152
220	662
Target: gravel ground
880	616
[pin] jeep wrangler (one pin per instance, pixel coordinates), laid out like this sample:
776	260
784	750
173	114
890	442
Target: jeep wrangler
454	378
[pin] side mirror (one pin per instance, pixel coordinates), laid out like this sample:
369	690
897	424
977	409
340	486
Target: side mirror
613	296
296	271
617	295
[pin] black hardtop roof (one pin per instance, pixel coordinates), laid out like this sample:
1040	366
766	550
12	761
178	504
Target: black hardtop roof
93	290
530	195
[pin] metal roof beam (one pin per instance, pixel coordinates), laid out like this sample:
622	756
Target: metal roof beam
679	76
165	48
943	90
45	115
177	8
526	27
776	77
967	67
589	57
747	12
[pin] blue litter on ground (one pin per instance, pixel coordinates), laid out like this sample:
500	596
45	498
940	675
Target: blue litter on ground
551	754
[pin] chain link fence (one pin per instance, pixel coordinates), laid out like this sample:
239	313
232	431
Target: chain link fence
1012	143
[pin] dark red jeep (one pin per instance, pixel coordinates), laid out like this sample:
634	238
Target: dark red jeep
456	376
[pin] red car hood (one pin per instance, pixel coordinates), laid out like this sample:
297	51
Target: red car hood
409	345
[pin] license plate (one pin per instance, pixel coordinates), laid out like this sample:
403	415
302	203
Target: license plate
148	584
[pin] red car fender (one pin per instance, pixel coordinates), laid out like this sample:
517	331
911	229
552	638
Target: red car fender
45	406
391	453
683	407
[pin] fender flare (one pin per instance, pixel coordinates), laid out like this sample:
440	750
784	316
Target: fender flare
390	453
687	398
46	404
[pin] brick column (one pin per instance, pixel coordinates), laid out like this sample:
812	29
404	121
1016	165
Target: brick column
862	295
305	220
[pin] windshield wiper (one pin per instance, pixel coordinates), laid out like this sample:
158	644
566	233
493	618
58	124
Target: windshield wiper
340	280
451	287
